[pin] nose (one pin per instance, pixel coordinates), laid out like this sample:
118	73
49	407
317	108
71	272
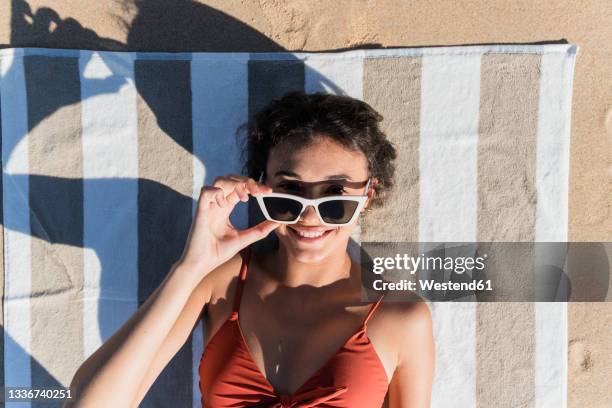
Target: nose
309	216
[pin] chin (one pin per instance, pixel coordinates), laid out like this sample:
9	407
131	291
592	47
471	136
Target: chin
308	256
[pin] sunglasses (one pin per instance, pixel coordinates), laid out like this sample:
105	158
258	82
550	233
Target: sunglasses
333	211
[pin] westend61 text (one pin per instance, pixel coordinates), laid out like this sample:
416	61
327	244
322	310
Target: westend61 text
428	285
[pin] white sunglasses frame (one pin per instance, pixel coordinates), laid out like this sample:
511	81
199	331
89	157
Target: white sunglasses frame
314	202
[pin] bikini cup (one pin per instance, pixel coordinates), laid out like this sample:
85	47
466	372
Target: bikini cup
353	376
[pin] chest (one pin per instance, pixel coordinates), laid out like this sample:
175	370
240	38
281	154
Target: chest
291	345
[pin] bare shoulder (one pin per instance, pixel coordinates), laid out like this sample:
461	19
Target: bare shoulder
218	281
407	326
413	350
409	316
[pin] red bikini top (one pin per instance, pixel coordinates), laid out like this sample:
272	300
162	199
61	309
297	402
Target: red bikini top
353	377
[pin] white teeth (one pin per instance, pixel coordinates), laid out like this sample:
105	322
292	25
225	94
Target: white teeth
309	234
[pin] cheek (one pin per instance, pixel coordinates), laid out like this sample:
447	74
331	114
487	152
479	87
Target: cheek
346	231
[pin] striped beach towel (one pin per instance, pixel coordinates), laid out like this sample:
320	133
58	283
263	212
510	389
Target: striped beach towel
104	154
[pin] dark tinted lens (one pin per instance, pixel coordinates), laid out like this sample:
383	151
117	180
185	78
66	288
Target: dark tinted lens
282	209
337	211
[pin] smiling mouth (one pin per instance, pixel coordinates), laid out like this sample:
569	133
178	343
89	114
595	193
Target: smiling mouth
310	236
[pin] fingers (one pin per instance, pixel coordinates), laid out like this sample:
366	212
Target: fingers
255	188
257	232
230	189
215	195
209	195
233	198
244	185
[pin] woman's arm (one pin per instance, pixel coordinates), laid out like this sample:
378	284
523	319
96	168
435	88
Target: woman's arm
113	374
120	372
412	380
186	323
176	338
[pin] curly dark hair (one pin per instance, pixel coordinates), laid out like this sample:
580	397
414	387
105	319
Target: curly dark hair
298	118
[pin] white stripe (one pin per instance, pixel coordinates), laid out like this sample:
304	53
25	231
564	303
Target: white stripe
552	174
450	103
110	187
552	168
219	106
551	354
450	92
17	241
339	77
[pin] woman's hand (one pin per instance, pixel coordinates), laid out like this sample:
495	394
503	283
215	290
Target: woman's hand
212	238
130	360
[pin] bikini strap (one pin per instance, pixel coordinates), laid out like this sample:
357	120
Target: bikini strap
371	311
246	255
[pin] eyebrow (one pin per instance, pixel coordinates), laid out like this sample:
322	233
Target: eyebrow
295	175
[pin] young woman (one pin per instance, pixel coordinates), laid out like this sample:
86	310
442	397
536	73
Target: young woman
286	327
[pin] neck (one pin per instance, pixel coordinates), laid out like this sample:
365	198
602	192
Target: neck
292	272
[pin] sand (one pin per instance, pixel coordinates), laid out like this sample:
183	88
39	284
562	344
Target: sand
269	25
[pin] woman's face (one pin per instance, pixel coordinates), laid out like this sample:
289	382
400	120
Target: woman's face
322	168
